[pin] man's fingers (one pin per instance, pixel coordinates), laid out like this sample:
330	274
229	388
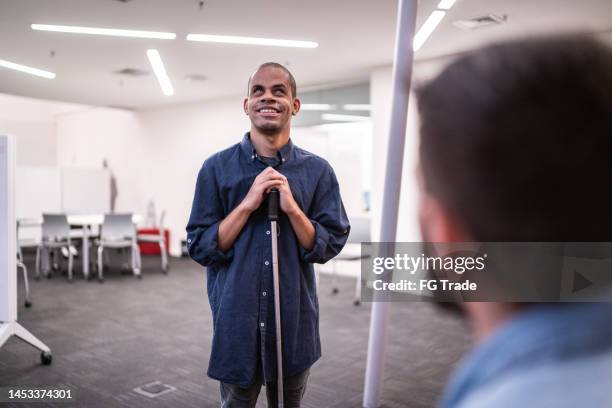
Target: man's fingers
271	176
268	185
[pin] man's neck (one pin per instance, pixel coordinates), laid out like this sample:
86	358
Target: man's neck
268	145
486	317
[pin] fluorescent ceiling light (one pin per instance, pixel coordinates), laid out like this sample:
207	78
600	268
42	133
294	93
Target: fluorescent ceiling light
427	28
160	72
317	106
228	39
446	4
104	31
26	69
357	106
344	118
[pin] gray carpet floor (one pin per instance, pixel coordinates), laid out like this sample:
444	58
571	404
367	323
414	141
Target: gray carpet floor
109	339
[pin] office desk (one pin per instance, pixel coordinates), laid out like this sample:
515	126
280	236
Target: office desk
86	221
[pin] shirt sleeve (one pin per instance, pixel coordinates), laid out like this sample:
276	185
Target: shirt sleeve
206	215
329	219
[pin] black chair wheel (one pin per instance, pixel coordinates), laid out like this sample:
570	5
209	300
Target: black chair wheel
139	276
101	280
46	358
37	278
357	302
28	303
335	291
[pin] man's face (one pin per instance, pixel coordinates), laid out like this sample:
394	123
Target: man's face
270	103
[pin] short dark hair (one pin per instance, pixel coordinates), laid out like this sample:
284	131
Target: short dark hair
279	66
516	140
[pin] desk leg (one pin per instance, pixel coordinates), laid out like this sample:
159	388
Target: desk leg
86	252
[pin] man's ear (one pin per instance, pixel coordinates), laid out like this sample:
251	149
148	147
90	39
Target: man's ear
296	106
245	106
438	224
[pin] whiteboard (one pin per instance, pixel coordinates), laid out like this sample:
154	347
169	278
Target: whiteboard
37	191
85	191
8	257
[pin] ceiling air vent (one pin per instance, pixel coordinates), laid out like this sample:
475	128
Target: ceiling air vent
132	72
480	22
195	78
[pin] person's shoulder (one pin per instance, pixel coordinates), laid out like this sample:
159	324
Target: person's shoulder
221	157
548	385
311	158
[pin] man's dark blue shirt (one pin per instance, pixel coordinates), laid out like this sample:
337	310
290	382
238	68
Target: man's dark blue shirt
239	281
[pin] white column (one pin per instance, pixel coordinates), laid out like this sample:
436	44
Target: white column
402	73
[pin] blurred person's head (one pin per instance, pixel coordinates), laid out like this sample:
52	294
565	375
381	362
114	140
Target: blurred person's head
271	99
515	145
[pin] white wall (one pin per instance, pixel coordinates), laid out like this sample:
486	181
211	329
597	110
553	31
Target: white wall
33	122
86	138
381	99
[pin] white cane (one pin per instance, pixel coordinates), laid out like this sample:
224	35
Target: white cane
273	203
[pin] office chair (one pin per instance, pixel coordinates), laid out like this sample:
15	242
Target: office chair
118	231
159	239
55	236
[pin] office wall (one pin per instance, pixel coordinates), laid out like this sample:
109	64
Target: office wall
33	122
381	99
86	138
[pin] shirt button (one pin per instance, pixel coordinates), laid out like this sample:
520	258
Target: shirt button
267	263
263	293
262	324
189	241
267	232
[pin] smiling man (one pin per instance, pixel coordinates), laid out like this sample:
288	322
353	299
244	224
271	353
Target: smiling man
229	233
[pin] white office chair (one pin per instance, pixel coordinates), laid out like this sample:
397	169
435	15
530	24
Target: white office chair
20	264
360	232
55	236
118	231
159	239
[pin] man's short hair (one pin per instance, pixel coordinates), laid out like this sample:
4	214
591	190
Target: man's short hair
516	140
279	66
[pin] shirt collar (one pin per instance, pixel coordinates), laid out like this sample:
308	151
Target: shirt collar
284	153
535	336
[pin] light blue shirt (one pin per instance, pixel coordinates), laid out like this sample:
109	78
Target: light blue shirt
550	355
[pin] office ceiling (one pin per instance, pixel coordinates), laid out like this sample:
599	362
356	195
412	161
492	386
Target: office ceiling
353	35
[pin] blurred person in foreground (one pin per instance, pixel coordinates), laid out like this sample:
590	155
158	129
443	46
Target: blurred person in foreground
516	145
229	233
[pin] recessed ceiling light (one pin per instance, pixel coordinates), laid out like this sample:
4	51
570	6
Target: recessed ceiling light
446	4
317	106
229	39
115	32
160	72
344	118
427	28
357	106
28	70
